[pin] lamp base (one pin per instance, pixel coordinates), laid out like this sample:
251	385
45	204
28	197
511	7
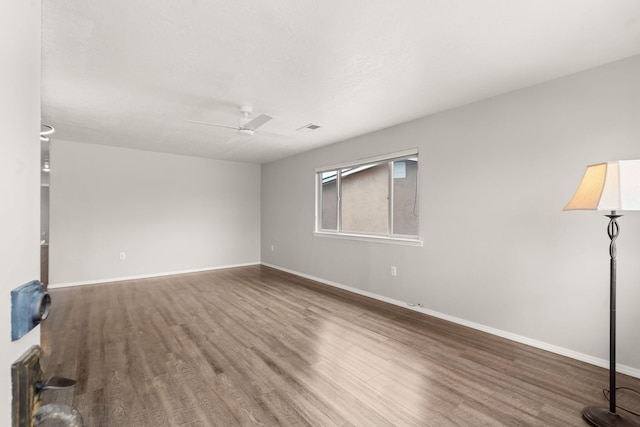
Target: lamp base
601	417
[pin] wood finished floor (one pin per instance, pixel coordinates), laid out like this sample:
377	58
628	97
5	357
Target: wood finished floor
256	346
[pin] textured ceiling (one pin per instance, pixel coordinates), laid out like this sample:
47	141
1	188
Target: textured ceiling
129	73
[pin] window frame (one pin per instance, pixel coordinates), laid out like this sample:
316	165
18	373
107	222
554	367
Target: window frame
389	237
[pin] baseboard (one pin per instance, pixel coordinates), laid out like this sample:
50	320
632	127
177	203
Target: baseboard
633	372
146	276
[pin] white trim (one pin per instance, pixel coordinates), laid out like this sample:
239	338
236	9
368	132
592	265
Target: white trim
370	238
147	276
493	331
375	159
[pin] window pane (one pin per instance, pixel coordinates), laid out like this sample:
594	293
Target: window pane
405	196
329	197
365	206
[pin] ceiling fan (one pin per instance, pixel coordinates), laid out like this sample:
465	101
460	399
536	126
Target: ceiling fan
247	126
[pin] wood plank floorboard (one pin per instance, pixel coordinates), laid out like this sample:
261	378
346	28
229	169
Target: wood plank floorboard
254	346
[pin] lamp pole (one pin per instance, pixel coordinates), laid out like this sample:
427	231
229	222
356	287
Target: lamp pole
596	415
612	230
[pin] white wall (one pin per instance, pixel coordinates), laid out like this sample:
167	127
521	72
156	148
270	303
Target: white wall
498	250
168	213
19	174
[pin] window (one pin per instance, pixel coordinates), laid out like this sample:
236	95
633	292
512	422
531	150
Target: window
376	198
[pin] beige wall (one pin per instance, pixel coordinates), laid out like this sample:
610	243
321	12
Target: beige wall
330	206
364	201
405	201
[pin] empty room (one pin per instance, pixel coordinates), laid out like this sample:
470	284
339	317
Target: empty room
299	213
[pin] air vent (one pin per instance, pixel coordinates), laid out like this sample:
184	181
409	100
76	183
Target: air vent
308	128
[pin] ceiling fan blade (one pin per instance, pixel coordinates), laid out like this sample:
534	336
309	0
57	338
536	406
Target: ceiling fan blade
257	121
212	124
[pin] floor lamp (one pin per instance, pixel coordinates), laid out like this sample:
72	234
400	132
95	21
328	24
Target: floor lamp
611	186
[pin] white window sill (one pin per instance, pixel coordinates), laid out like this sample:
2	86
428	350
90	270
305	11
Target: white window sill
370	238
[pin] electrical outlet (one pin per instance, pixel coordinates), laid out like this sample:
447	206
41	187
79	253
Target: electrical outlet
394	270
273	248
123	256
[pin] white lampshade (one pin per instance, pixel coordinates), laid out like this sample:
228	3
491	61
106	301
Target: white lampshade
609	186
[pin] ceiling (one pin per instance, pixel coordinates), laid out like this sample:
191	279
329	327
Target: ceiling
129	73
